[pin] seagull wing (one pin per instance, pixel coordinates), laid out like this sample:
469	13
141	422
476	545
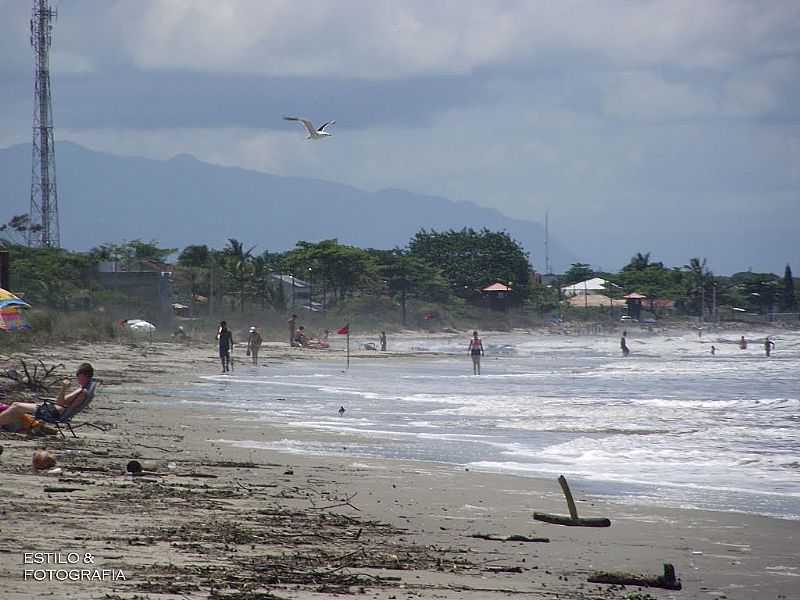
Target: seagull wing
324	125
308	124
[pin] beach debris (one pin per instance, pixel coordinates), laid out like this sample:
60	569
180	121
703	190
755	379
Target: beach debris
135	467
53	489
508	538
42	459
667	581
40	380
573	519
159	448
502	569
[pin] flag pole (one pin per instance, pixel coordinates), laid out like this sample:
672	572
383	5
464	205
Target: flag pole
348	345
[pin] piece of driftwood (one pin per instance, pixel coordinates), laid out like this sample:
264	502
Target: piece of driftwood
509	538
501	569
667	580
573	520
52	489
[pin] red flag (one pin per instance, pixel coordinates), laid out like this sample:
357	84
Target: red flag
344	330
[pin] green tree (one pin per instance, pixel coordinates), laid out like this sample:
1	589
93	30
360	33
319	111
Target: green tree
757	292
342	269
130	254
577	272
264	289
407	277
238	266
700	280
194	256
641	262
52	276
193	263
789	298
470	260
16	230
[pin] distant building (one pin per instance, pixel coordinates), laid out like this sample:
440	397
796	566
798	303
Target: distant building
497	295
296	291
145	282
594	286
634	303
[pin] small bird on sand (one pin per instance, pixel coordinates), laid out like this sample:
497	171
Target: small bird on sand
341	411
314	133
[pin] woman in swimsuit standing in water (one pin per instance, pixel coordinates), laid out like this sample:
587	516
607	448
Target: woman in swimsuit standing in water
476	350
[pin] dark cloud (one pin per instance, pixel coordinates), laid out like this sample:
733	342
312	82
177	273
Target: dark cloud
134	99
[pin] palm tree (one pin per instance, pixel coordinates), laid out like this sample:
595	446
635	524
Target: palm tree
263	267
239	266
699	279
639	262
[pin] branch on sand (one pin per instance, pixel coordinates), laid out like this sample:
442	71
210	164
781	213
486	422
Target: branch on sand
667	580
40	380
573	519
508	538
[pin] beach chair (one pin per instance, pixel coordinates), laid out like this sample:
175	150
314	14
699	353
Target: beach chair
65	417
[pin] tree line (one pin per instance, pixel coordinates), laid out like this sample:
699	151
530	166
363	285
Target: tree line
439	267
694	288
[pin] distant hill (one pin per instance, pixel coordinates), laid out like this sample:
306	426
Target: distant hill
181	201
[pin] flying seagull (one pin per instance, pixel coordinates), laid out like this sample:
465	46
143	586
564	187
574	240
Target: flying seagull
313	132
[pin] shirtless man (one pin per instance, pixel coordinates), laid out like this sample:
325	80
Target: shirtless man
23	412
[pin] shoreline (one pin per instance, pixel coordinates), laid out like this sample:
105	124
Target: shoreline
165	529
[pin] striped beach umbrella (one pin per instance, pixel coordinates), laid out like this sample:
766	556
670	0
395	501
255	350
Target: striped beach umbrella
12	317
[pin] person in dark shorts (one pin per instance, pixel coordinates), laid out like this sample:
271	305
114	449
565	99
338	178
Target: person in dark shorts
623	345
382	340
476	351
225	338
769	346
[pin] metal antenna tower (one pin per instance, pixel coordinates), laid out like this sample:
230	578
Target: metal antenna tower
43	231
547	242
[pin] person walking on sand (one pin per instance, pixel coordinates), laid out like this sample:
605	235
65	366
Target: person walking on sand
623	345
742	344
225	338
383	341
769	346
476	351
713	350
292	329
254	344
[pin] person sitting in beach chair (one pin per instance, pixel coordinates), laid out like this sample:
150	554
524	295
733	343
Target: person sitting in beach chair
300	337
37	417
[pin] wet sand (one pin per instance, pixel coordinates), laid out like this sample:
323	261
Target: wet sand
211	520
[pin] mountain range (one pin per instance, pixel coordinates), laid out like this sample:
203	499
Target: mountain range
108	198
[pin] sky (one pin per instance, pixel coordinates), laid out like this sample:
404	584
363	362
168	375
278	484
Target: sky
670	127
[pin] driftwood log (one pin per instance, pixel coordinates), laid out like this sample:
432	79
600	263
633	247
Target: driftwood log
509	538
573	519
667	580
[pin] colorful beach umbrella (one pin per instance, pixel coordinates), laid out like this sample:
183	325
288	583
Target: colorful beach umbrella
12	318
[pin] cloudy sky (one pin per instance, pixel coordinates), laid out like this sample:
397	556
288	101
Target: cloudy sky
665	126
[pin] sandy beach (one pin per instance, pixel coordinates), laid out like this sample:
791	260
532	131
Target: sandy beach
211	520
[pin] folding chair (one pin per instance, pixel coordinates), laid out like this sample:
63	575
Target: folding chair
64	417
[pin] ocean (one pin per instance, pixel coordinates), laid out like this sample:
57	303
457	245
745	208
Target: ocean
670	425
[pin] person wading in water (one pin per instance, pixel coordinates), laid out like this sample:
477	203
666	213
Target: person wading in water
225	338
476	351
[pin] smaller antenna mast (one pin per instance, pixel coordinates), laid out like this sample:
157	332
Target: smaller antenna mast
547	266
